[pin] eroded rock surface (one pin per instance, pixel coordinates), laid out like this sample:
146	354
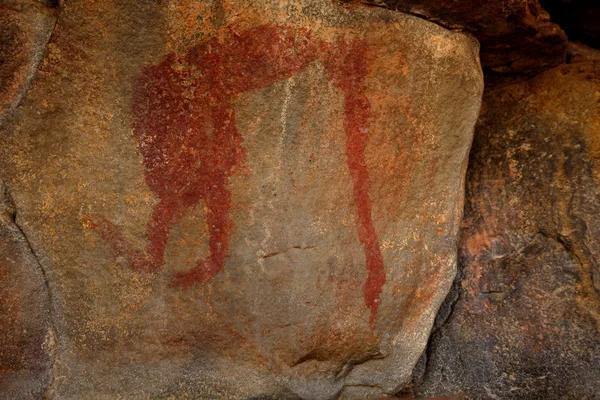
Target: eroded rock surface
243	199
526	322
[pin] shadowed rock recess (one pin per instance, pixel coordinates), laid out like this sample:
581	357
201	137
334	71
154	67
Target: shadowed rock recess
234	199
263	199
523	321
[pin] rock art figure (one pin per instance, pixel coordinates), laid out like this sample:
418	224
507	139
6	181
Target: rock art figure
185	126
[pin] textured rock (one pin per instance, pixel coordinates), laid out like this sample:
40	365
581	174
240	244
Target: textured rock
26	27
243	199
516	36
525	316
580	19
25	331
26	335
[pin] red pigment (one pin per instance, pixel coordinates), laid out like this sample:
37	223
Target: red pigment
348	69
184	122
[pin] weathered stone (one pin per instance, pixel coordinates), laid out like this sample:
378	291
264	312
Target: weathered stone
243	199
516	36
26	27
25	330
525	316
26	336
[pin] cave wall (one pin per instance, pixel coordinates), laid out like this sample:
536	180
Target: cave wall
241	199
263	199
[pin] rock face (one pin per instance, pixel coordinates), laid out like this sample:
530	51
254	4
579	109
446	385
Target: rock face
516	36
25	329
26	334
246	199
26	27
525	315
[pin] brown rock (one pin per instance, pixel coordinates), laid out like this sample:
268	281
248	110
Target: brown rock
26	335
516	36
243	199
526	323
26	27
25	331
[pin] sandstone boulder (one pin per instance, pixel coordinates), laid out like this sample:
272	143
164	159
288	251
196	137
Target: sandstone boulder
249	199
580	19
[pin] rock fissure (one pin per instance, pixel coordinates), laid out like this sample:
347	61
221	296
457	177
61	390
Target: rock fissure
276	253
38	305
424	17
52	342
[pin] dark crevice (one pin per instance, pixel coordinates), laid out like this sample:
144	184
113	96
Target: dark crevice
383	4
276	253
50	3
310	356
52	352
580	19
442	318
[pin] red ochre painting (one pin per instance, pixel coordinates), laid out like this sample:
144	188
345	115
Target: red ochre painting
185	126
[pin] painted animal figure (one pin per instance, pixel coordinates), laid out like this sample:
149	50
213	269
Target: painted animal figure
185	126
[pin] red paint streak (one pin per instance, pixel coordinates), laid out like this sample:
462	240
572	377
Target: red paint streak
348	68
185	126
255	59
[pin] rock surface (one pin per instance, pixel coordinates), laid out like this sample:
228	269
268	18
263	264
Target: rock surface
26	334
246	199
525	314
26	28
516	36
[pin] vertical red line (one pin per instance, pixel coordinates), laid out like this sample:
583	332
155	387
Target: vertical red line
349	73
355	124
